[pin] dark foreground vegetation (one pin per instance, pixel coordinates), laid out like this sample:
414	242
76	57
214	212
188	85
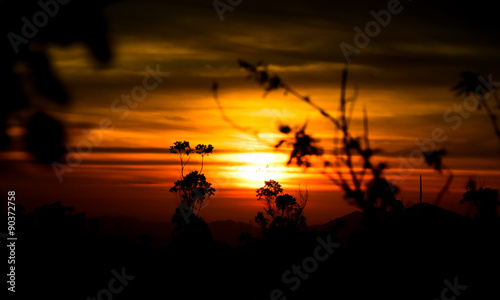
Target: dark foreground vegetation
63	255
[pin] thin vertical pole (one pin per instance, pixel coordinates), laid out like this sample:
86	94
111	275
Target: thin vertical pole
420	188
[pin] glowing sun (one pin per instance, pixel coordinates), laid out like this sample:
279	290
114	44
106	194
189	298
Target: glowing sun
262	166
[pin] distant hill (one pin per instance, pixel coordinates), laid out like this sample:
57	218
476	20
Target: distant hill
228	231
128	227
432	213
351	222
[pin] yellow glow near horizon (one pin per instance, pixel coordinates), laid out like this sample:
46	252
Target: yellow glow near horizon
261	166
260	174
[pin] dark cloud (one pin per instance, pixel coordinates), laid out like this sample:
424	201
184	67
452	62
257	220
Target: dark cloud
428	43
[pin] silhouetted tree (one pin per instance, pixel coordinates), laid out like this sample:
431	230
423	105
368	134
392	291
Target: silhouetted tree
193	190
59	220
485	200
284	210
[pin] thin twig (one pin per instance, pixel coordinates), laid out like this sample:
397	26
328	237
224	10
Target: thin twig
445	187
493	117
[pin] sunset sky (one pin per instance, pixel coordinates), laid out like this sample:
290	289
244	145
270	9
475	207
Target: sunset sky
403	77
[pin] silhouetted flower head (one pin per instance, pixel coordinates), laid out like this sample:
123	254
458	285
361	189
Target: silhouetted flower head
181	147
471	83
303	147
260	74
434	158
204	149
285	129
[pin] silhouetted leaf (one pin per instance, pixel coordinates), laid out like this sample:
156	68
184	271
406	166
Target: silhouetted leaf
246	65
45	138
263	77
470	84
434	158
285	129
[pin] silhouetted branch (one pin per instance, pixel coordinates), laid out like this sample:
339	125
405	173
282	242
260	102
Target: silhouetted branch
496	99
215	89
434	159
445	188
492	116
377	189
352	100
474	83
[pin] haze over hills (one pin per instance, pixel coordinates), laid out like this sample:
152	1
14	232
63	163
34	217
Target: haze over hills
228	231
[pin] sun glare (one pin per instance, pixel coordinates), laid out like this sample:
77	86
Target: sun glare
262	166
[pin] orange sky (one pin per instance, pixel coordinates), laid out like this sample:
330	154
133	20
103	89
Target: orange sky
403	80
